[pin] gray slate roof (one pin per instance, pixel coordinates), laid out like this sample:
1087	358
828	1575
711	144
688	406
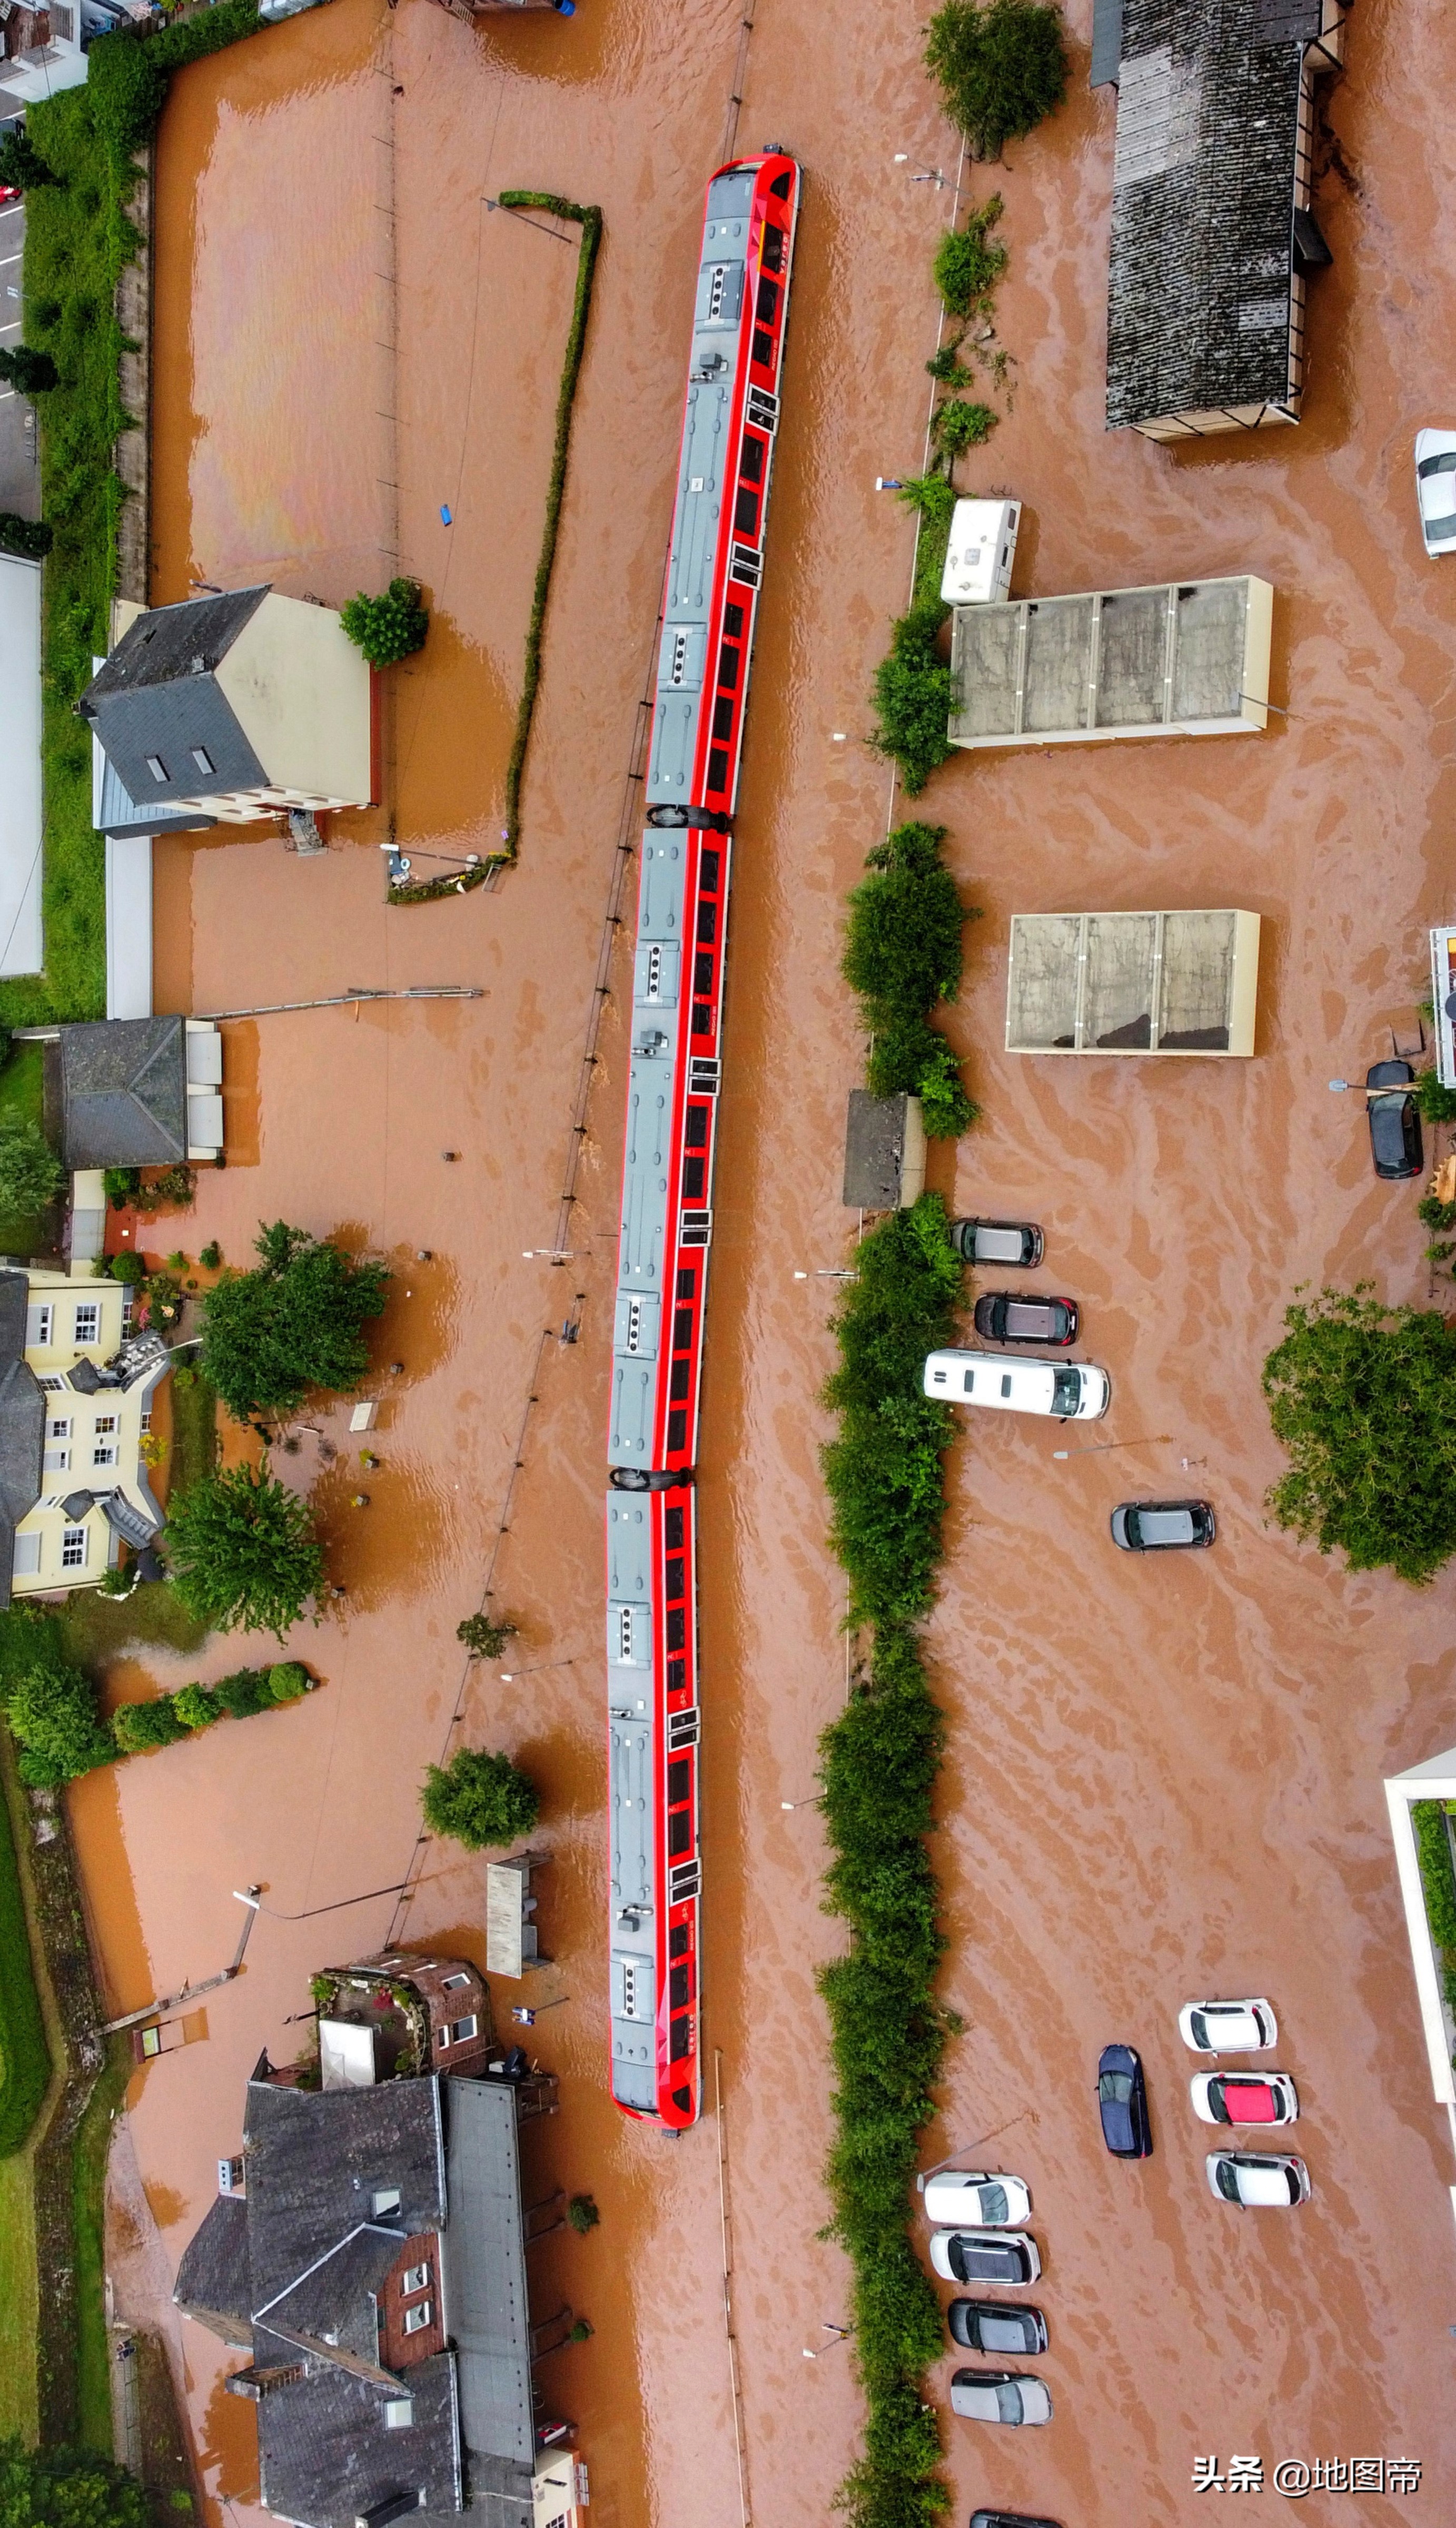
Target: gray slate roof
124	1093
157	696
1202	249
329	2300
213	2279
314	2158
22	1422
326	2457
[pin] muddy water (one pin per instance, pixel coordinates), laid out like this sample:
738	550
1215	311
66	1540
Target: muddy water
1162	1782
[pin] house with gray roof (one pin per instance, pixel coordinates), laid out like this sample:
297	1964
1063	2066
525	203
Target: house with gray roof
1213	237
367	2251
134	1093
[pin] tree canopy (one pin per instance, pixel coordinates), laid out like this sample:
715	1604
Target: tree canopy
1364	1399
31	1174
1001	66
68	2487
480	1799
241	1552
51	1710
295	1322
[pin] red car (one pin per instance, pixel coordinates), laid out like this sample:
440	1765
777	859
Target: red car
1244	2098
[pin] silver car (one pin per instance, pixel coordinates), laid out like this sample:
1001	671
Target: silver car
1000	2396
1435	490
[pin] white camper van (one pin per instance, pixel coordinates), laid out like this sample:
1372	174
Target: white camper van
981	552
1074	1390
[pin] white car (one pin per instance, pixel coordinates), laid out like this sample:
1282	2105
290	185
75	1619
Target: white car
969	2199
1000	2396
1227	2026
1074	1390
1257	2177
1435	490
1244	2098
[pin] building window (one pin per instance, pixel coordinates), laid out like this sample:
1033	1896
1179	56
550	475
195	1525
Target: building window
41	1323
58	1443
453	1982
384	2203
415	2278
88	1321
157	768
203	759
53	1382
107	1446
73	1548
462	2030
417	2319
26	1564
399	2413
442	2036
146	1419
128	1304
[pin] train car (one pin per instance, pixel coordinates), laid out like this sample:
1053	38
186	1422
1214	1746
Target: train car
710	602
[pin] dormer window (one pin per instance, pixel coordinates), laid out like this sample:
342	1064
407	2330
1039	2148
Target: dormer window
157	768
384	2203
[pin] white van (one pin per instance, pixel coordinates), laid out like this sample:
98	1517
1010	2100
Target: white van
1074	1390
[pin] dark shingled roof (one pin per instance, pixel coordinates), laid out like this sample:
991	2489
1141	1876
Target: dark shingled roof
22	1422
331	2300
124	1093
325	2454
213	2281
314	2158
157	696
1202	249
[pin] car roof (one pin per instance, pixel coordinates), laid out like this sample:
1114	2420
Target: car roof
1267	2181
1117	2058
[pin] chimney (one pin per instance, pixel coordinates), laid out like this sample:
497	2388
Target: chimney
254	2383
395	2505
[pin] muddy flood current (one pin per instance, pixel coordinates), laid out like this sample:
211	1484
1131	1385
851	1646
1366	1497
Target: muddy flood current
1163	1779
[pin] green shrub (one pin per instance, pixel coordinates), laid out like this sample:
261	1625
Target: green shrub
1437	1878
129	72
21	165
581	2214
960	425
51	1710
387	628
946	1110
128	1266
28	538
1434	1214
480	1799
933	497
914	693
1364	1399
903	954
138	1727
287	1681
244	1692
30	372
211	1256
1001	65
947	367
969	262
123	1185
1437	1103
197	1706
482	1638
31	1174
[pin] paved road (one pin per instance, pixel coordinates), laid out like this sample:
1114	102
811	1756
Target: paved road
20	467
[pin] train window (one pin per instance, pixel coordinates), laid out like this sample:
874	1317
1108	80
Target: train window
678	1939
677	1675
703	973
707	873
679	1987
751	464
717	767
682	1337
733	622
680	2043
767	305
694	1171
695	1128
702	1018
679	1781
763	348
724	715
676	1576
679	1834
728	658
677	1438
746	512
682	1374
782	185
772	250
677	1617
686	1284
674	1529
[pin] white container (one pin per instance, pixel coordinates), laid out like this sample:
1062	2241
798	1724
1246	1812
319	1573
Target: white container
981	552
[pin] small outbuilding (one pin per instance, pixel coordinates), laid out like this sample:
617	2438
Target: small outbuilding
884	1153
135	1092
1184	658
1168	983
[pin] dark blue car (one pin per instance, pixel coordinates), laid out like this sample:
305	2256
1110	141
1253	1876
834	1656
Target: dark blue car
1122	2103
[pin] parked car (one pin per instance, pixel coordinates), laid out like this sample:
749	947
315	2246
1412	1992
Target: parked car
961	2197
1244	2098
1436	489
982	2326
968	2256
1074	1390
1228	2027
1000	2396
1394	1122
1256	2176
1008	2519
1155	1527
998	1241
1122	2103
1014	1316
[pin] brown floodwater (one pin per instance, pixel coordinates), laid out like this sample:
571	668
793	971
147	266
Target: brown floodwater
1162	1782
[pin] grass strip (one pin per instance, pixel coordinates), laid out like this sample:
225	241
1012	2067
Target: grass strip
24	2055
88	2157
878	1765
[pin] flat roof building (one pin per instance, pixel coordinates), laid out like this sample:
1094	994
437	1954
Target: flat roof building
1171	983
1186	659
1212	236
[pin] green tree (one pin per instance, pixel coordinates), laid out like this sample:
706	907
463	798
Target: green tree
196	1706
914	692
31	1174
51	1709
1001	65
67	2488
295	1323
21	165
138	1727
30	372
387	628
28	538
242	1553
287	1681
1364	1399
480	1799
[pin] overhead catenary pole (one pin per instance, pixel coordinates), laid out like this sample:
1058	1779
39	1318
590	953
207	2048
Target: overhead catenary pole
356	992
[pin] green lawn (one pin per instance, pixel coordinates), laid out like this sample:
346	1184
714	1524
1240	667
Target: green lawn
25	2056
20	1082
88	2209
19	2301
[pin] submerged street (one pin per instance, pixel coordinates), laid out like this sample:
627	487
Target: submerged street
1164	1776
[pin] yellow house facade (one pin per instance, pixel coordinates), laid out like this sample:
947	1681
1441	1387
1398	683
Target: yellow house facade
77	1387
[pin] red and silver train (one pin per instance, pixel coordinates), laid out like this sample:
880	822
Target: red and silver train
709	606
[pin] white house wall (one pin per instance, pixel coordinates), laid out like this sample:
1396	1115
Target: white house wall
22	942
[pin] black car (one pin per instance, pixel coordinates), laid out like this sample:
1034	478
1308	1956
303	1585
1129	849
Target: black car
1122	2103
1394	1122
1009	2519
1016	1317
1157	1527
982	2326
997	1242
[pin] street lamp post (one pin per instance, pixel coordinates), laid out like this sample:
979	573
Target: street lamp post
923	175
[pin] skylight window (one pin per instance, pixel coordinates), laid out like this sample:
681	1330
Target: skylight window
157	768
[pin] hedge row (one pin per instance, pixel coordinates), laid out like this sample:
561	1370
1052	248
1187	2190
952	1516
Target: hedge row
903	954
51	1710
